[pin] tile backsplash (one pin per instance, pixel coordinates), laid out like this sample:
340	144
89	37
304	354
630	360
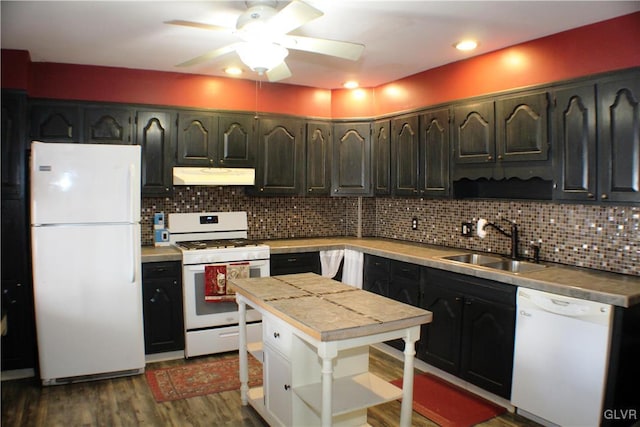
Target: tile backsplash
593	236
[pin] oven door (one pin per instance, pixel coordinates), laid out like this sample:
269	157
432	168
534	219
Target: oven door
203	314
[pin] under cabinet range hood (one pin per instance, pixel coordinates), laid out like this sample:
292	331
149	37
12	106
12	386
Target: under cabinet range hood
213	176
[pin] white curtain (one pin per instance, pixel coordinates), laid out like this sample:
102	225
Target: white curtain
353	268
330	262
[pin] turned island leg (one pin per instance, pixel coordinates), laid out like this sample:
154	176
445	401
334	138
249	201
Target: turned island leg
242	351
406	410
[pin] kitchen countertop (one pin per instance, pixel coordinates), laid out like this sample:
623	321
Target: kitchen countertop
609	288
348	312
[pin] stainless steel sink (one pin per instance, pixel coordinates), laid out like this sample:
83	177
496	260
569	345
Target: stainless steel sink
513	266
497	263
476	259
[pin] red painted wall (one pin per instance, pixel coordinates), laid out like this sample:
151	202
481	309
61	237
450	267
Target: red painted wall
604	46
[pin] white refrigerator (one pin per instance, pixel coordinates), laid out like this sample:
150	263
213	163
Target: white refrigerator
85	235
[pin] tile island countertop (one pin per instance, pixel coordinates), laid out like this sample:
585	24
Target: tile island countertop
327	310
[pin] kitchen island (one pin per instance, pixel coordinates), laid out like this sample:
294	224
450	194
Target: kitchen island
315	349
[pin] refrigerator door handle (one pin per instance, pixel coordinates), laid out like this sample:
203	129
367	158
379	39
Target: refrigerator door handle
131	191
133	257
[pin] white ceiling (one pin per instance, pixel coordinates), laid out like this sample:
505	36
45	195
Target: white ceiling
401	37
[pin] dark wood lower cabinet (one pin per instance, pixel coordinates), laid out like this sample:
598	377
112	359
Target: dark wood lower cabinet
303	262
162	307
473	328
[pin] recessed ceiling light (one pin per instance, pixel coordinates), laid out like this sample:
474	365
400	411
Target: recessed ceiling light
233	71
466	45
351	84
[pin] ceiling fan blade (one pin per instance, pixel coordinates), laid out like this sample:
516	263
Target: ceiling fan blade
345	50
198	25
209	55
279	72
292	16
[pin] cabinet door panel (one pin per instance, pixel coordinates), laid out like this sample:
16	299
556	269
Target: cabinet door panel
434	153
154	135
318	158
278	386
236	141
351	159
404	152
13	129
619	134
381	157
575	124
522	128
440	339
196	139
56	123
280	169
474	134
108	125
487	333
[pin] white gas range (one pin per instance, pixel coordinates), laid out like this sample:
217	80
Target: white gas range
215	241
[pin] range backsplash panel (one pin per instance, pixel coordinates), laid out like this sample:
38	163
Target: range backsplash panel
593	236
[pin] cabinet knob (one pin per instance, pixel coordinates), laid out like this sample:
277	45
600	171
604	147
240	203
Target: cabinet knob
310	190
261	188
500	157
221	161
276	334
335	191
287	387
590	195
604	196
175	282
489	158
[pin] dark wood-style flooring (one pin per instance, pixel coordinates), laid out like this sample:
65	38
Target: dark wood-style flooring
128	402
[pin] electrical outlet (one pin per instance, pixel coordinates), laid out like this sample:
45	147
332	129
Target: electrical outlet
467	229
414	223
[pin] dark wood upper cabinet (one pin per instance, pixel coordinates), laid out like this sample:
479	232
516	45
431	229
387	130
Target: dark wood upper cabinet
280	169
13	129
474	133
236	141
575	143
619	139
434	153
155	133
405	155
53	122
351	159
106	125
522	127
197	134
213	140
381	166
318	158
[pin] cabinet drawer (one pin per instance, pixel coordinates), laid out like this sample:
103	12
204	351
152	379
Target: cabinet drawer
153	270
375	263
405	270
304	262
277	335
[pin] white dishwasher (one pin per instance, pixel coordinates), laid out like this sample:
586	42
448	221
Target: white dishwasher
560	358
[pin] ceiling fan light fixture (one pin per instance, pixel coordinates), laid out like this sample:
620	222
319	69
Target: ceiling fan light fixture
260	56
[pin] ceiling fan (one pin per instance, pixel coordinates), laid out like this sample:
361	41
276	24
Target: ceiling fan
263	31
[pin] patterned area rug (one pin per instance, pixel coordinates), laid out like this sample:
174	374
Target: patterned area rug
199	379
448	405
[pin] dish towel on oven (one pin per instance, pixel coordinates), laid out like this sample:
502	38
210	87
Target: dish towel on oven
330	262
215	282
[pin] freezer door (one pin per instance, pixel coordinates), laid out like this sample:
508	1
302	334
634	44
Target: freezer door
84	183
88	299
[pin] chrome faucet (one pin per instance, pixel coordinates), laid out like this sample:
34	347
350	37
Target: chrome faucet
513	234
